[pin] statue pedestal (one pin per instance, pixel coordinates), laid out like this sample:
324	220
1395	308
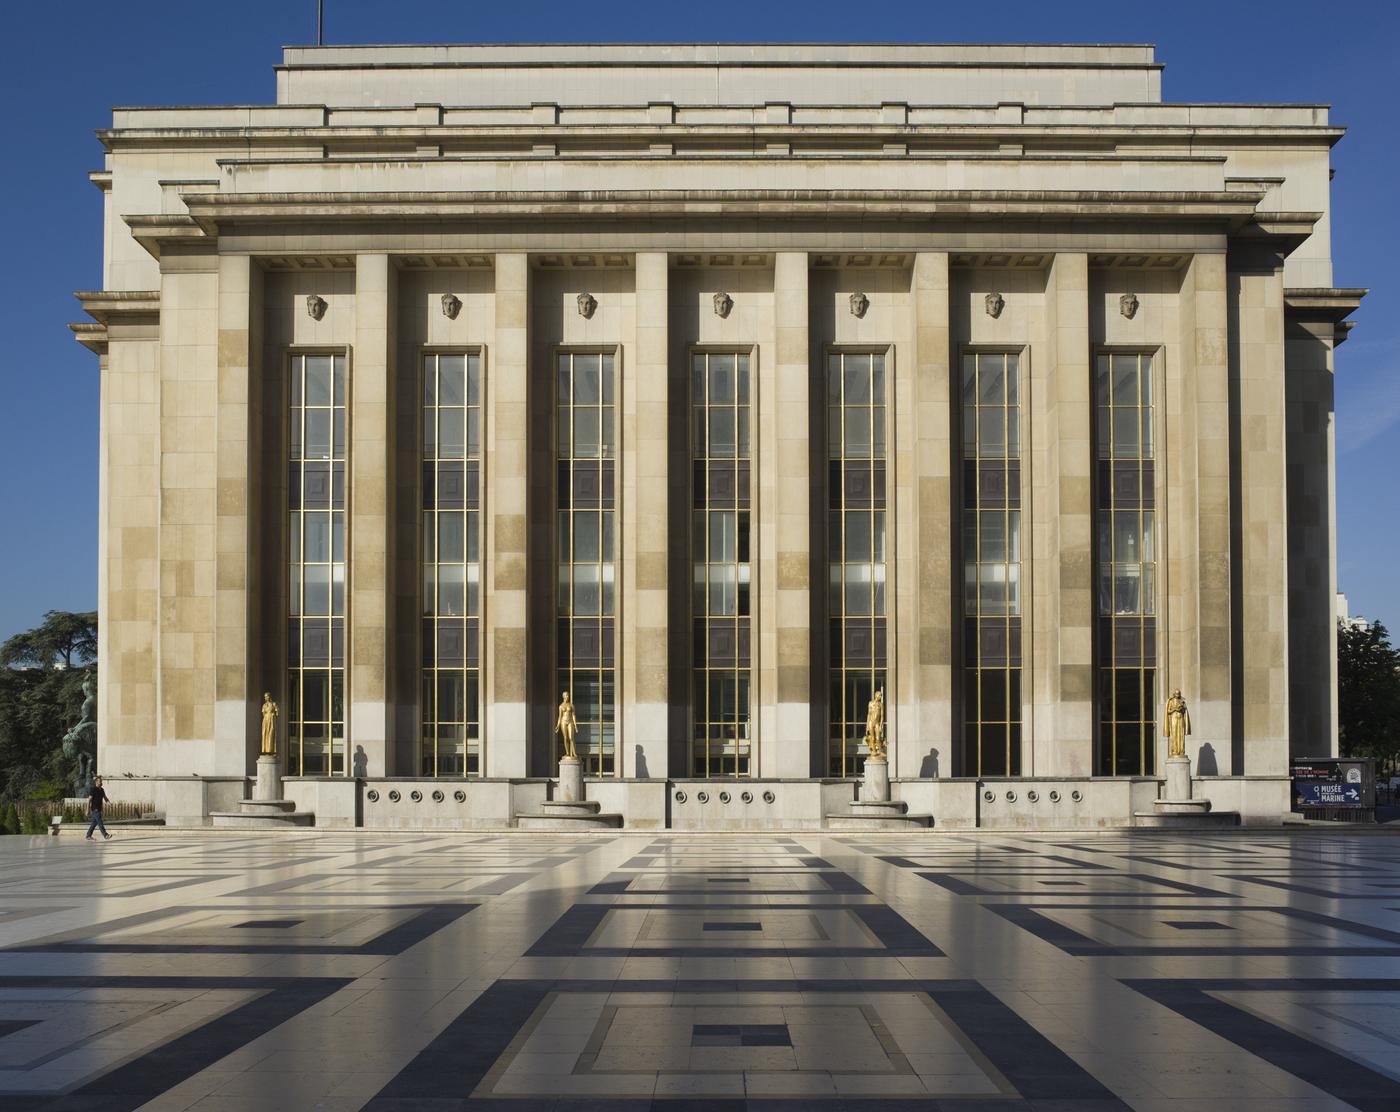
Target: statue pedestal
876	788
568	810
875	810
267	810
570	780
269	782
1177	808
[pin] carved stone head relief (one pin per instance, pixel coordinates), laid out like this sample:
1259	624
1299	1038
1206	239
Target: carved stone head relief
587	305
1128	305
315	306
723	304
859	304
995	304
451	305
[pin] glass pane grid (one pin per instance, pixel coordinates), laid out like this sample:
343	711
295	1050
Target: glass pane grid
1125	561
722	737
450	739
991	551
586	532
315	697
856	528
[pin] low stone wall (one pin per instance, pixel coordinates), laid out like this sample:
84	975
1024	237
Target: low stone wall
410	803
757	804
181	801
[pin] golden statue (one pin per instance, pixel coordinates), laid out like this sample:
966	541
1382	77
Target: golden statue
1178	725
875	727
566	725
269	726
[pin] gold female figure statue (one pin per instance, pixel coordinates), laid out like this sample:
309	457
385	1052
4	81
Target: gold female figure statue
269	726
566	725
875	727
1178	724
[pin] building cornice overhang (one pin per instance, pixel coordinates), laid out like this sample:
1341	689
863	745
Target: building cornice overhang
1325	306
210	213
113	309
410	136
209	210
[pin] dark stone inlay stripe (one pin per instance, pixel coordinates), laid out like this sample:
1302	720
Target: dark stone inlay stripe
961	887
1335	1074
740	1034
140	1081
444	1073
749	926
389	944
1039	1070
1081	945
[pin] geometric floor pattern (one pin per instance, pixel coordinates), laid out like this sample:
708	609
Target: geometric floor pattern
428	972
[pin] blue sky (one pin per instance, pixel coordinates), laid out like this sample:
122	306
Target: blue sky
66	65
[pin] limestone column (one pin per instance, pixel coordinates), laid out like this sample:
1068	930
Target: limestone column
236	690
370	587
785	523
1059	512
129	524
505	602
923	742
1312	532
1194	638
645	538
188	466
1261	555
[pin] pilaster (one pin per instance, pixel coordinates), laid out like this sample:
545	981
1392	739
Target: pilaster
644	534
188	440
1060	516
235	686
1197	507
370	466
505	602
1260	585
785	481
922	740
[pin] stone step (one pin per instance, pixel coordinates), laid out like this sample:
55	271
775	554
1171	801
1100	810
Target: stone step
577	820
279	820
877	820
568	807
1194	820
875	807
266	806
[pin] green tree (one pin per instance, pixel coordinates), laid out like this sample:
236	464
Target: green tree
41	697
1368	693
65	637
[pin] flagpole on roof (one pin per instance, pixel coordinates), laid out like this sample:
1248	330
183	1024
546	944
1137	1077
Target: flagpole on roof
320	22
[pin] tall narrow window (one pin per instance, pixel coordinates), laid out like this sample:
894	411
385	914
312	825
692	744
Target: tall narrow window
450	743
1125	523
586	501
855	548
316	553
991	558
722	743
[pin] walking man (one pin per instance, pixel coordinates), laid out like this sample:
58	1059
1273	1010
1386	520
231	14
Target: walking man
97	798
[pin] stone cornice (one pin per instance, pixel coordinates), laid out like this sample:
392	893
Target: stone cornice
119	306
209	210
113	309
1327	305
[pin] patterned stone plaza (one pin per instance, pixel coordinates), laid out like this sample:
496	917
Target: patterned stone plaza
391	972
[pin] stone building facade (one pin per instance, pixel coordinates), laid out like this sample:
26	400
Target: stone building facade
723	385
